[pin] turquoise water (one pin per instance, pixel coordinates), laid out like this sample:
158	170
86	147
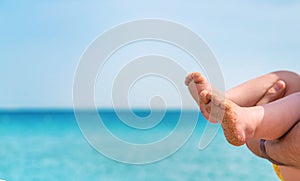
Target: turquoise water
49	146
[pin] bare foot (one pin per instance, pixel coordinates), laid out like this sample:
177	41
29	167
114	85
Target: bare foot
238	123
277	91
196	84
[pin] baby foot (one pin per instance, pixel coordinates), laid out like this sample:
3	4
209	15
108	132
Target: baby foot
275	92
236	121
196	84
195	79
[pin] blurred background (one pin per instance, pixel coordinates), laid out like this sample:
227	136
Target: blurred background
41	43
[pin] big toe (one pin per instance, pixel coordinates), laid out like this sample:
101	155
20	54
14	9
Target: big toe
198	78
275	92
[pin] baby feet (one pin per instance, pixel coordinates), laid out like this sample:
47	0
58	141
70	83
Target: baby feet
237	122
240	124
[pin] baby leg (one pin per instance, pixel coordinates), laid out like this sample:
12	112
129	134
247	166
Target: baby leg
242	124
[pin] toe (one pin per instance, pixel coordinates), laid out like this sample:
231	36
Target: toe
198	79
188	79
205	97
279	86
275	92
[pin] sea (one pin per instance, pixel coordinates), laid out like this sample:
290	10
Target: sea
49	145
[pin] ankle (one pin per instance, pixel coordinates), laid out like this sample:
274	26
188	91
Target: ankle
255	118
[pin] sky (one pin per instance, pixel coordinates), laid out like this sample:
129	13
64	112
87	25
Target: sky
41	43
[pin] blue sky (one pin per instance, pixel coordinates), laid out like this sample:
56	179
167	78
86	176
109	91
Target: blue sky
41	41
